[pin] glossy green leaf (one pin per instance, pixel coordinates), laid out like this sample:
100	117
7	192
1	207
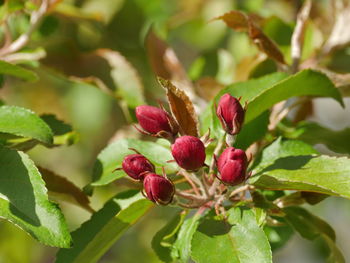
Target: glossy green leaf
291	165
240	239
63	132
305	83
24	200
313	133
112	156
281	148
104	228
181	249
165	237
24	123
311	227
17	71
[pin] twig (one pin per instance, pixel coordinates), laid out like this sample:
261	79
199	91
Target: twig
241	189
35	19
298	35
189	180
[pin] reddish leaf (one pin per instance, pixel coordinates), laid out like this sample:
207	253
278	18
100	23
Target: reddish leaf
241	22
60	185
265	44
181	108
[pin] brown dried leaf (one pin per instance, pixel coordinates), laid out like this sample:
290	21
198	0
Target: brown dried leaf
236	20
249	23
208	87
181	108
265	44
166	64
59	185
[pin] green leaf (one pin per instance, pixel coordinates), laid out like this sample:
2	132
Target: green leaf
240	239
162	241
112	156
181	249
278	236
24	200
279	149
23	122
63	132
313	133
305	83
125	77
287	166
247	90
311	227
17	71
104	228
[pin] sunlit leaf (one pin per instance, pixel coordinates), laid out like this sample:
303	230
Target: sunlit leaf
103	229
24	200
24	123
292	165
239	239
181	249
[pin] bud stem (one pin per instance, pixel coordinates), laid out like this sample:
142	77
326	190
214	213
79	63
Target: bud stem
230	139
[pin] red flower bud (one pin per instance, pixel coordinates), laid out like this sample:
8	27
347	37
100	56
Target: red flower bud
135	165
232	165
158	189
155	121
188	152
230	113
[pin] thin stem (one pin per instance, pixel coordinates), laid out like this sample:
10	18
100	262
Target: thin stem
35	19
189	180
241	189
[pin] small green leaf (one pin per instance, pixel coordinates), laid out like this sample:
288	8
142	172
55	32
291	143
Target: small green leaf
181	249
63	132
17	71
238	240
112	156
104	228
162	241
24	200
278	236
23	122
311	227
291	165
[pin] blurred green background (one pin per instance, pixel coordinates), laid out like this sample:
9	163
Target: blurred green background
71	34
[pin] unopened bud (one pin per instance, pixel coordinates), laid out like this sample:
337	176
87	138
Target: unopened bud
189	152
135	165
158	189
232	166
156	121
231	114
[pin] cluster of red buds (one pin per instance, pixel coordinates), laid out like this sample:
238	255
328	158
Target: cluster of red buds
189	153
